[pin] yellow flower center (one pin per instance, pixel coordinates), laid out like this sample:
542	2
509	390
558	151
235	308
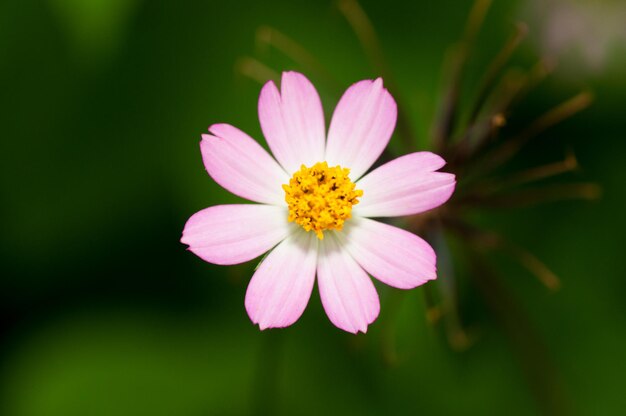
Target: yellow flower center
321	198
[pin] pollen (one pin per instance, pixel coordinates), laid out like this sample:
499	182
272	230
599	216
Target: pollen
321	198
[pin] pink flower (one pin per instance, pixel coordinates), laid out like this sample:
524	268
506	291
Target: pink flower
315	204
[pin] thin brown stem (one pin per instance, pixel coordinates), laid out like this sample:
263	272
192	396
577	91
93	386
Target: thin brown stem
365	32
552	117
255	70
267	36
433	309
496	67
489	240
535	196
534	266
458	337
455	62
486	129
538	72
512	89
475	20
569	164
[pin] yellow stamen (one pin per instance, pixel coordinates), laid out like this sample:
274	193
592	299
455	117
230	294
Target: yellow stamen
321	198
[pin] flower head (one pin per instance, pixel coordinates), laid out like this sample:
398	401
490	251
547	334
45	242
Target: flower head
315	204
321	198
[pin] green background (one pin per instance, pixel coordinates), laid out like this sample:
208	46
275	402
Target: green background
104	312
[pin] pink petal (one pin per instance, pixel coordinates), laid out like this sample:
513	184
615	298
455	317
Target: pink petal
348	294
361	127
292	121
281	287
405	186
240	165
231	234
393	256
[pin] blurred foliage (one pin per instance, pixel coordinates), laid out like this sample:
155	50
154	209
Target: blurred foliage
95	27
105	313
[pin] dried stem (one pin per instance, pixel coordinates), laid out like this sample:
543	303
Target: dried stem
496	67
267	36
535	266
512	88
554	116
569	164
482	131
365	32
433	309
256	70
493	241
537	73
475	20
457	336
535	196
455	62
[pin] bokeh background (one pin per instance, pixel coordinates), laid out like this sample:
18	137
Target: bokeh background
104	312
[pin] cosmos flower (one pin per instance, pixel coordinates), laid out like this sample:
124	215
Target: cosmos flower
315	202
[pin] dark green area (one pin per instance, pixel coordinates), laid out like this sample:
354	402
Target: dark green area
104	312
